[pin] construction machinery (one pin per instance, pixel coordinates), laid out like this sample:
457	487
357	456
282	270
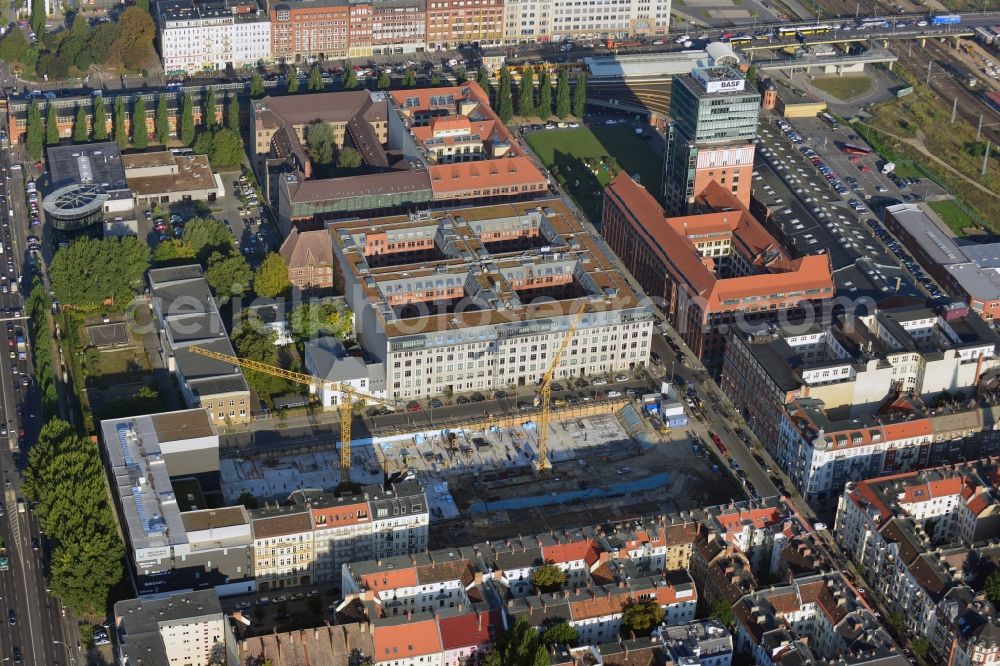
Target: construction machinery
545	396
345	403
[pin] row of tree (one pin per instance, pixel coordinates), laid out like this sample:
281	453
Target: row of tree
223	145
65	478
125	44
37	307
538	103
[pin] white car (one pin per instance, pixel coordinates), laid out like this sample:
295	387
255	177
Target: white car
600	381
614	394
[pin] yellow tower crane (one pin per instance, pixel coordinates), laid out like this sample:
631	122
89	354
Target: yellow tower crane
543	463
348	394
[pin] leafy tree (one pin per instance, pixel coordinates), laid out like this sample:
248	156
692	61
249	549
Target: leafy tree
722	611
562	95
140	135
436	79
315	83
233	114
208	117
227	149
65	477
203	143
206	237
185	128
118	123
100	120
350	80
256	86
505	105
320	142
146	400
548	578
13	46
228	275
271	278
89	271
580	95
51	126
560	634
35	133
134	42
80	130
992	586
251	340
383	82
409	78
173	251
143	5
100	42
521	646
461	75
526	99
247	500
640	618
920	645
483	79
161	124
293	82
349	158
316	318
545	95
38	18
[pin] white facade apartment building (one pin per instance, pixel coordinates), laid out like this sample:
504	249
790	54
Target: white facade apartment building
282	547
198	36
556	20
180	628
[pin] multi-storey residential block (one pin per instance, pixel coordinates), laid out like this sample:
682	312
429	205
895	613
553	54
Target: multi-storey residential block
399	26
856	363
813	619
198	35
186	315
308	30
453	23
710	271
528	21
926	541
714	115
313	537
481	298
701	642
283	551
180	628
173	540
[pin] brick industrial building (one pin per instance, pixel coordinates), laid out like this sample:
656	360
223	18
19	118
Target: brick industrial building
712	269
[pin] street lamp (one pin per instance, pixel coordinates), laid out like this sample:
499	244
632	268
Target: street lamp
69	650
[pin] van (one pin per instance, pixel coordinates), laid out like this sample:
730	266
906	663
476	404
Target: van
20	505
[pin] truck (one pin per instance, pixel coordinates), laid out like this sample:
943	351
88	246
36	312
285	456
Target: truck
888	168
22	344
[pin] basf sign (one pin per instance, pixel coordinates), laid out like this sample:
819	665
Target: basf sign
720	79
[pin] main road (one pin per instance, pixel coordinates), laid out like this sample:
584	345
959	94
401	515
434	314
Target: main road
33	624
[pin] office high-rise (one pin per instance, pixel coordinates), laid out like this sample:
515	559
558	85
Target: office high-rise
714	121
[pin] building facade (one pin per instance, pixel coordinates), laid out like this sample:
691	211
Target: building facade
715	115
212	34
182	628
306	31
528	21
453	23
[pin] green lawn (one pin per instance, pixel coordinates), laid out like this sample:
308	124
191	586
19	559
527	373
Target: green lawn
843	87
956	218
567	150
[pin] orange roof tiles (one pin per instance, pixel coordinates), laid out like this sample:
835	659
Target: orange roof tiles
708	223
604	602
504	172
734	522
390	580
470	629
574	551
907	429
925	492
450	124
341	515
408	640
979	504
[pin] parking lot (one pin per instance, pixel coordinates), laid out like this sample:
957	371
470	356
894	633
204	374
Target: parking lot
814	217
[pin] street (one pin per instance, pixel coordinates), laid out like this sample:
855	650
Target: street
37	625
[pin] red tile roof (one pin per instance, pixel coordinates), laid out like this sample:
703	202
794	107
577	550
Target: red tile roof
470	629
390	580
574	551
484	174
907	429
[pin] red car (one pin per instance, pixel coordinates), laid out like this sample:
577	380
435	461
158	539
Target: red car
413	407
718	442
865	169
10	342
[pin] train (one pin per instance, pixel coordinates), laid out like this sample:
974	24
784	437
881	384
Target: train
945	19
